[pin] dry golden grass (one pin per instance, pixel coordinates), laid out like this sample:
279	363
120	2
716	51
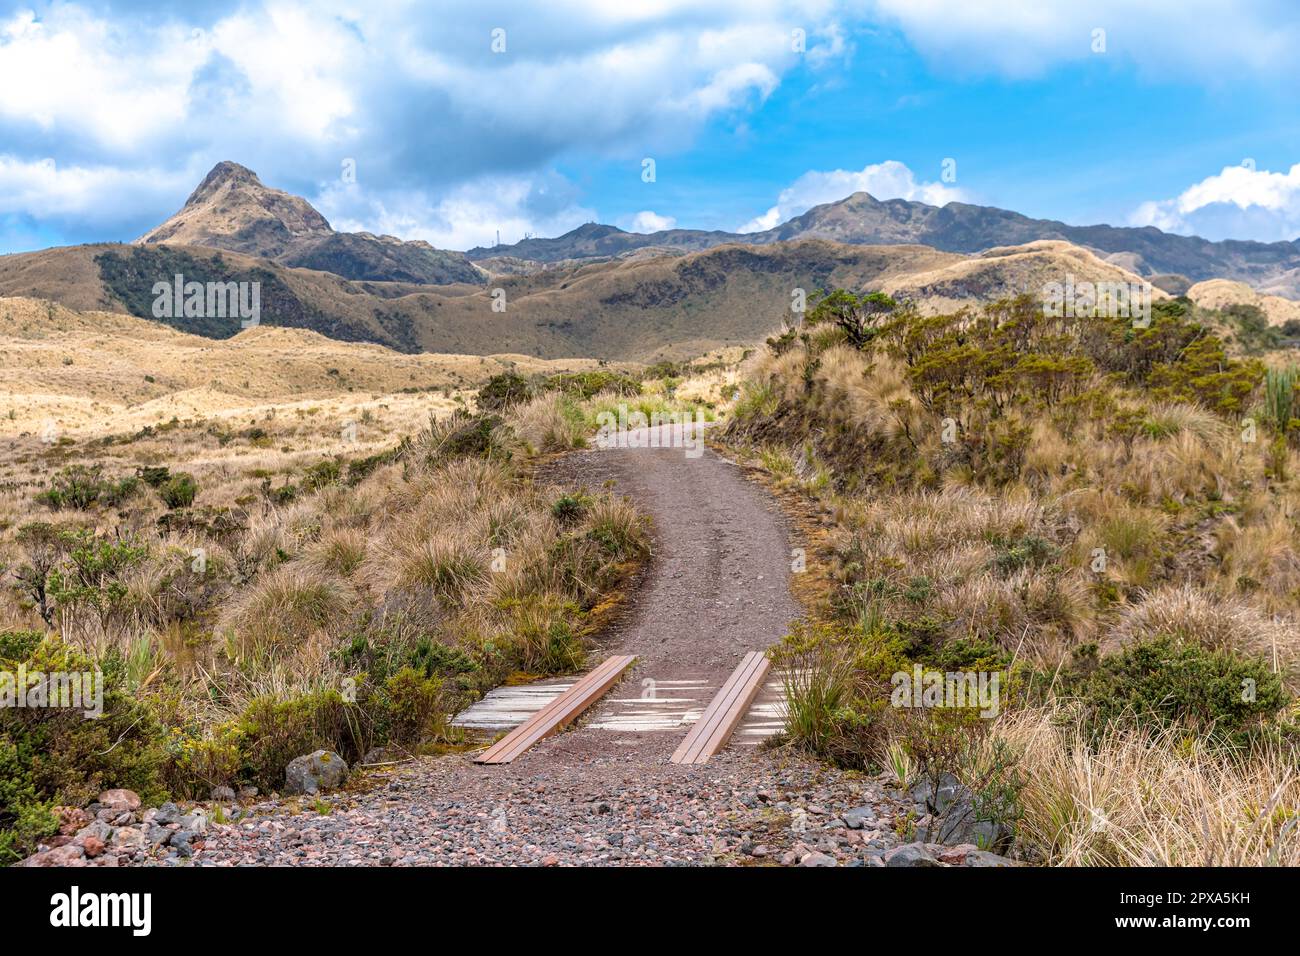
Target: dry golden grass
96	373
1135	800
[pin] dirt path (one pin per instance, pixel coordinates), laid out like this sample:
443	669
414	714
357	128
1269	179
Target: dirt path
604	791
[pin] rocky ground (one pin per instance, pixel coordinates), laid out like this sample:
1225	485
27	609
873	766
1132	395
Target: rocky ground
743	808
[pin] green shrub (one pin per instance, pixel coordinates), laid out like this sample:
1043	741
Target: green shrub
502	391
585	385
270	733
568	509
1161	682
52	756
154	475
414	710
81	486
1030	551
178	491
321	474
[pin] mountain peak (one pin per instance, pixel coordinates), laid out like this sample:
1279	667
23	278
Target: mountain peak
233	210
225	173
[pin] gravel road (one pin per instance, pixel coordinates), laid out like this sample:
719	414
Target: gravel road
604	792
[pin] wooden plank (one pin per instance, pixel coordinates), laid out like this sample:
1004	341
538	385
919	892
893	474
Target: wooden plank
725	712
690	749
559	713
536	727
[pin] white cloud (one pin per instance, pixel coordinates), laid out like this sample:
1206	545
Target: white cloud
647	221
94	195
469	215
1204	39
291	88
73	71
888	180
1239	202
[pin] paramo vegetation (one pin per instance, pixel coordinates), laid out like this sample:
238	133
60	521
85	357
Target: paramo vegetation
1103	513
248	604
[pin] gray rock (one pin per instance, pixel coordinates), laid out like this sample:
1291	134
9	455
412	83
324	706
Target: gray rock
817	859
155	835
911	854
859	817
247	793
312	773
985	858
97	829
167	813
222	795
181	841
196	821
938	799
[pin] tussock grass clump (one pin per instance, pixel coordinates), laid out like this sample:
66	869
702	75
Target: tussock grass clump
286	607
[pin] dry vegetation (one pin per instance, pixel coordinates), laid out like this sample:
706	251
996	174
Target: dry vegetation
310	559
1105	515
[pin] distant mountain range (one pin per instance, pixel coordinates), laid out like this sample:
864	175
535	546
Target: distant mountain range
861	219
599	292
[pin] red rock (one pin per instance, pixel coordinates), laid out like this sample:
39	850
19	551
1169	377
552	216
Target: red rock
69	855
120	799
956	855
93	846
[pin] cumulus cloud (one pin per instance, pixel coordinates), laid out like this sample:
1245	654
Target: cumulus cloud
648	221
888	180
94	195
1204	39
470	214
291	88
1240	202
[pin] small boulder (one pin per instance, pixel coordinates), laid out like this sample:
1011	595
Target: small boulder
985	858
120	799
858	817
817	859
166	814
69	855
71	819
96	828
92	846
312	773
182	842
222	795
910	854
128	837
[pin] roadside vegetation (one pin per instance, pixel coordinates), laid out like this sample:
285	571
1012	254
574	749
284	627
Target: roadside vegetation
249	600
1103	515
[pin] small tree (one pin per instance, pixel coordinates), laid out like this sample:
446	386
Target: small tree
857	316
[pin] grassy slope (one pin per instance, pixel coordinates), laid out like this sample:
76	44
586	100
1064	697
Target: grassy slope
974	472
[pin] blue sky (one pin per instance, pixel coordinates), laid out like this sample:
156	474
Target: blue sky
1175	114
